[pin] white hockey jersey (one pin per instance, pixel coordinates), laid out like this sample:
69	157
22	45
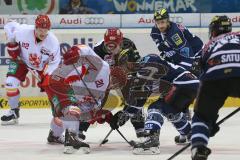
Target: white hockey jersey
95	78
42	56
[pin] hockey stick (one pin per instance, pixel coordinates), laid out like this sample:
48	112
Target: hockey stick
105	140
131	143
218	123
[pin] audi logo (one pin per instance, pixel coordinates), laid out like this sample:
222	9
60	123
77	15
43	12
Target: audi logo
94	20
19	20
176	19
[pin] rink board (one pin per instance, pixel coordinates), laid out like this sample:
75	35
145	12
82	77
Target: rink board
112	103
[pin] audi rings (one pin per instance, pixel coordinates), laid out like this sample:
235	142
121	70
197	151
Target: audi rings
94	20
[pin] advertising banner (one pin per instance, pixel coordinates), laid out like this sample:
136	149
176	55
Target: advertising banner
206	18
28	7
146	20
22	19
85	21
68	21
126	6
116	6
104	20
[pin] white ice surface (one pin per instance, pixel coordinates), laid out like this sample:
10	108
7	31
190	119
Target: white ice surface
27	141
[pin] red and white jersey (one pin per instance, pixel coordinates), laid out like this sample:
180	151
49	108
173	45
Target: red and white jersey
95	73
41	56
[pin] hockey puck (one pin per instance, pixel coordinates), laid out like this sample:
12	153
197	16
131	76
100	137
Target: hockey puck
103	142
132	143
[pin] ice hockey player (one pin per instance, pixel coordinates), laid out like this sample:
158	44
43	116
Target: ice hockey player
220	79
31	47
115	49
76	89
178	88
175	42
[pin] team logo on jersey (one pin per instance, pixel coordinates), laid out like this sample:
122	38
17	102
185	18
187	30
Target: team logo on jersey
35	60
13	66
177	39
99	83
25	45
184	52
71	96
55	101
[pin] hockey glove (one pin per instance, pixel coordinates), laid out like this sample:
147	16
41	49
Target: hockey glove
119	119
43	83
172	56
101	116
13	49
71	56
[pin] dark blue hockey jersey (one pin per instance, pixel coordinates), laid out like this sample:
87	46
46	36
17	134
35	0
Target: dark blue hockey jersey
221	57
154	68
178	39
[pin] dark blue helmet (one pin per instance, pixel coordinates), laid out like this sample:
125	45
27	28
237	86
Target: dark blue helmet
152	67
151	58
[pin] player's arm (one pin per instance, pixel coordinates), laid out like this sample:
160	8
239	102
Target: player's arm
191	38
156	37
10	28
13	47
48	69
54	61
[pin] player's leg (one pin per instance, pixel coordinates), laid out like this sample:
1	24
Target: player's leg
16	73
71	122
55	135
179	121
153	125
56	132
64	108
135	99
137	118
175	110
211	98
83	127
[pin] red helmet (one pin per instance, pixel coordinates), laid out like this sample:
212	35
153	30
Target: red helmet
43	21
113	35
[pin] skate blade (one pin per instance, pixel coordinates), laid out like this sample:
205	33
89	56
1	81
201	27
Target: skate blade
11	122
84	150
183	144
150	151
71	150
200	157
55	143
